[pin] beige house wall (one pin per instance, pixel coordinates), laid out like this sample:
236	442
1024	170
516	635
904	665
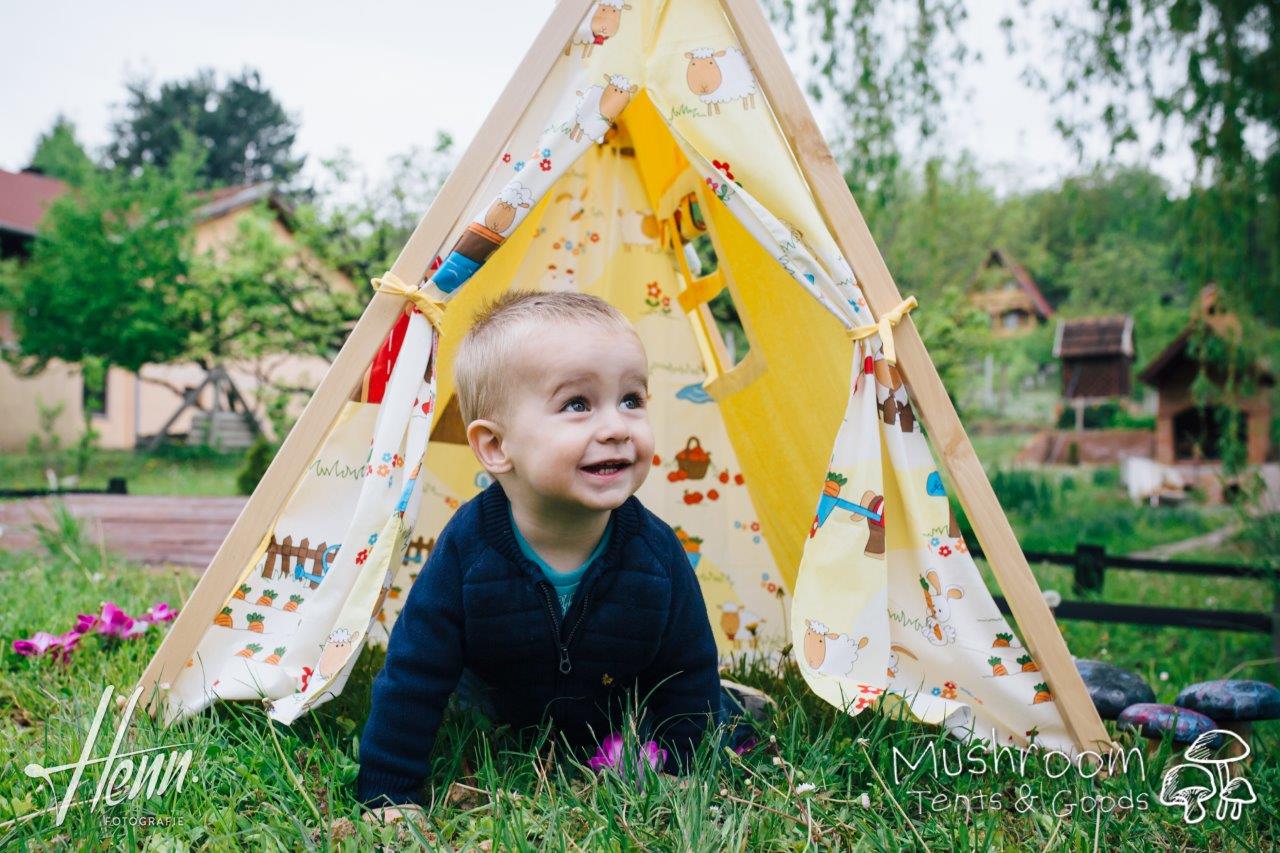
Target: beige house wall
20	401
137	406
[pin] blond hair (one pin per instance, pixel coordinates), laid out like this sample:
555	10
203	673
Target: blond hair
483	367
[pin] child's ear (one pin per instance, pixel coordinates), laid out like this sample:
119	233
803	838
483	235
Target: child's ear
485	438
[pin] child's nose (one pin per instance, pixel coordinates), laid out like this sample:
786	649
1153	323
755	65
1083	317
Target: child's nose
613	427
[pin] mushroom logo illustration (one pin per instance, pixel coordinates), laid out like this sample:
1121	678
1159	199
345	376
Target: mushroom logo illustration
1213	776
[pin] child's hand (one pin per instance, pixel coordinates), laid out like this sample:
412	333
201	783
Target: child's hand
393	814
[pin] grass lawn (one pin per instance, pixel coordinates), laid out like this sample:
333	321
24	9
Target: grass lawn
168	471
257	785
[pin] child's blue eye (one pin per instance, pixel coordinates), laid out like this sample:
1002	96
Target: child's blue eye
637	399
576	401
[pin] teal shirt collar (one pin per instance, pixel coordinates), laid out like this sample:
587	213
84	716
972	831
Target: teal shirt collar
558	578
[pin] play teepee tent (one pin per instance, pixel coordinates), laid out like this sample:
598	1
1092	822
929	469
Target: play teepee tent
658	154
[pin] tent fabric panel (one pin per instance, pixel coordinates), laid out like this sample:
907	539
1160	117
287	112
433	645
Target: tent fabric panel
783	424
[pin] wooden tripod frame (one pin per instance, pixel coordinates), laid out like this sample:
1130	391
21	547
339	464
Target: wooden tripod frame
849	229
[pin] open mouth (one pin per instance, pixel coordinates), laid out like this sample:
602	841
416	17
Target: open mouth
607	468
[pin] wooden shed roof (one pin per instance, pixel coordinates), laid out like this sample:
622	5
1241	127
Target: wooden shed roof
1094	337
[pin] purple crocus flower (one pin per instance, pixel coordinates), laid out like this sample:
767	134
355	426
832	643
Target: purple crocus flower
58	647
85	623
69	641
746	745
610	754
37	645
114	622
160	612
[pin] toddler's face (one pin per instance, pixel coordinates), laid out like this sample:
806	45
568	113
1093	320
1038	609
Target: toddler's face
577	430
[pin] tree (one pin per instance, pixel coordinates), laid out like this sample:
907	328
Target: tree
106	271
60	155
884	65
1210	68
361	233
243	129
257	295
114	275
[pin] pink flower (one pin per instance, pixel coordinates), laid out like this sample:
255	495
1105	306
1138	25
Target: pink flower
160	612
610	754
57	647
114	622
37	645
69	641
545	164
85	623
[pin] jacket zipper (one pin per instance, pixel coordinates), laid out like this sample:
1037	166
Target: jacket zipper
565	665
563	644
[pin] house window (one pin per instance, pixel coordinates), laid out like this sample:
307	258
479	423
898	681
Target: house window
1012	319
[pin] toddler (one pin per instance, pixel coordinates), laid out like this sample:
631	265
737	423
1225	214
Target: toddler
554	590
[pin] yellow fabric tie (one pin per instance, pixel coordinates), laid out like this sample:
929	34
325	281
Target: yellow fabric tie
884	328
432	309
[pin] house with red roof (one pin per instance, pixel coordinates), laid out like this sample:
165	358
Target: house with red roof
137	406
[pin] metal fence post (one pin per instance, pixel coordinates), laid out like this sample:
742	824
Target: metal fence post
1090	568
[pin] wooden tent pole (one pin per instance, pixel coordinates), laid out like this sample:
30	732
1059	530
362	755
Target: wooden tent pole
299	449
850	230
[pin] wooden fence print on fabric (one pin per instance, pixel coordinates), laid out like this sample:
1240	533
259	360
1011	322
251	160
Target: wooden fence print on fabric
277	563
419	550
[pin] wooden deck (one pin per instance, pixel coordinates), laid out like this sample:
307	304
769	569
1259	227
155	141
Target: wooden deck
151	529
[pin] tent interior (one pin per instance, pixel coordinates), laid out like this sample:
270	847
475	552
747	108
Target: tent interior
632	223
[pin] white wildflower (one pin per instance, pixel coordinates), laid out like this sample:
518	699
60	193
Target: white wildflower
777	761
804	789
865	800
773	738
1164	676
863	742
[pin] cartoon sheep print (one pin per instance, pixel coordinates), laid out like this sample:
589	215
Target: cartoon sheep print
600	25
501	215
720	76
600	107
830	653
336	651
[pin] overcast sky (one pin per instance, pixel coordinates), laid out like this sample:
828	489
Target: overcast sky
380	77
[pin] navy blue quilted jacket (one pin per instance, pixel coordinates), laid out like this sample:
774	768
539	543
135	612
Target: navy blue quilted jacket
637	619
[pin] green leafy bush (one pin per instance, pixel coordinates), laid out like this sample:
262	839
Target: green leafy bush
256	461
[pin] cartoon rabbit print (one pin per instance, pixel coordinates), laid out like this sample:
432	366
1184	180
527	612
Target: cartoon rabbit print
937	604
